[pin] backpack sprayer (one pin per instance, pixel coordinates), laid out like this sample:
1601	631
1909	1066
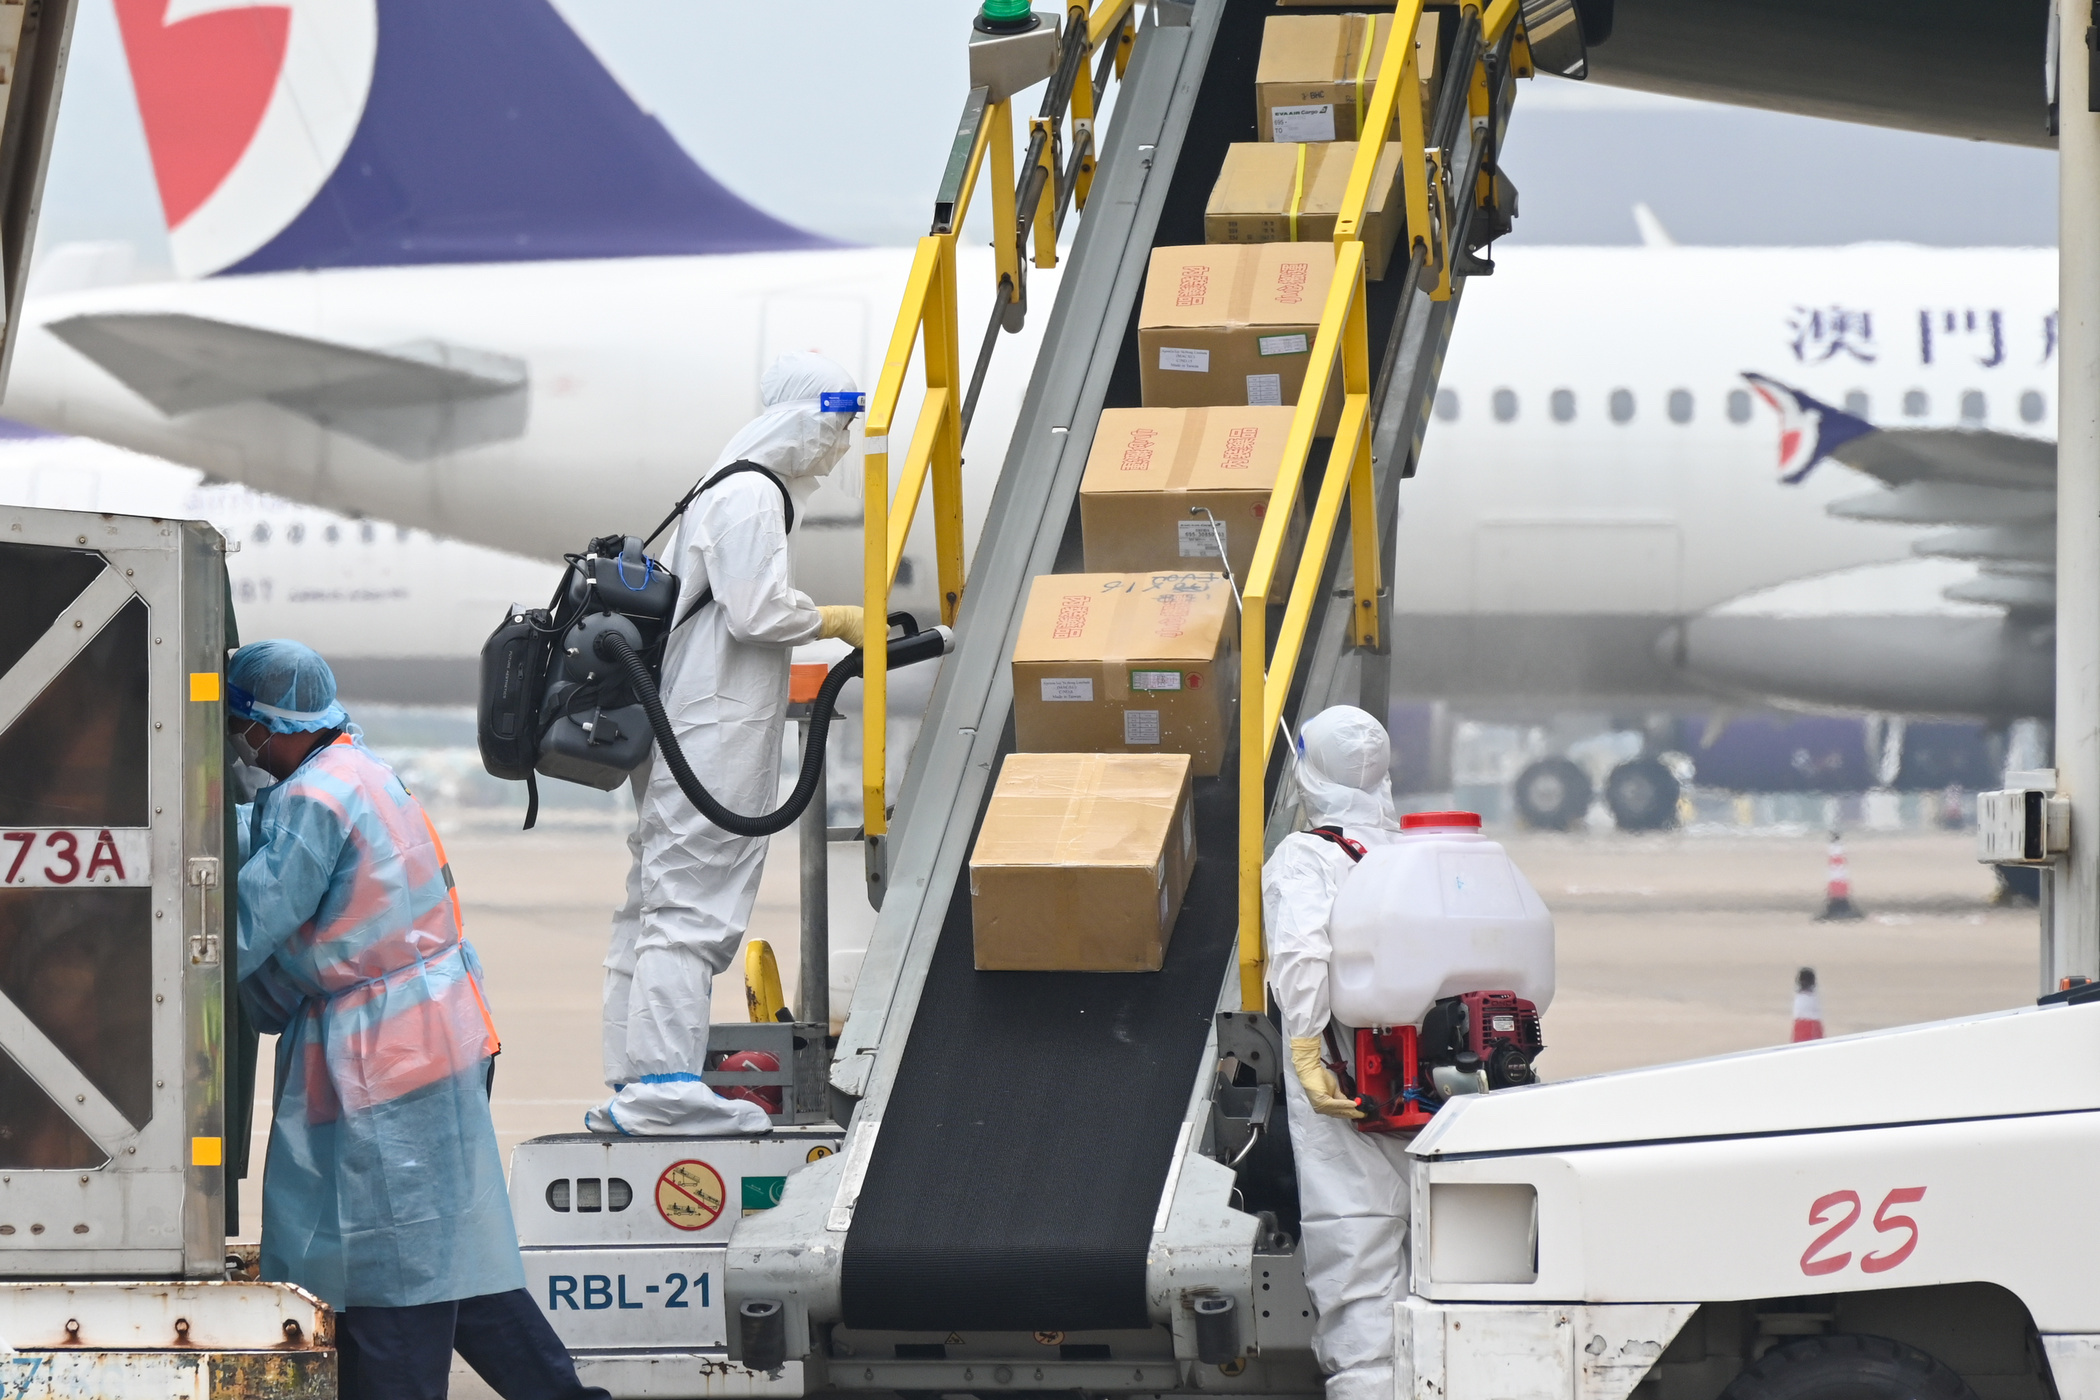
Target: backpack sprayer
1416	924
570	691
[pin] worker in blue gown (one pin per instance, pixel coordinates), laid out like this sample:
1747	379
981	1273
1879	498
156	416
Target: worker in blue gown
383	1192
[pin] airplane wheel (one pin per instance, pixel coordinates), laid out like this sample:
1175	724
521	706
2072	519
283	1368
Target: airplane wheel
1642	796
1847	1366
1552	794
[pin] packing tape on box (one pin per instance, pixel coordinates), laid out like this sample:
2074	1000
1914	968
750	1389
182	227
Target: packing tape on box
1297	192
1239	310
1183	466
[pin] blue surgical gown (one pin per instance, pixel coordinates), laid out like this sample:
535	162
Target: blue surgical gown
384	1186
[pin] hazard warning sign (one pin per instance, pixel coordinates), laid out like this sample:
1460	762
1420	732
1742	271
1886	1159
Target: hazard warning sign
689	1195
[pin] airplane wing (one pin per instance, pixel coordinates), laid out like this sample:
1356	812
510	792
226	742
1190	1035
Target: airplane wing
1997	491
417	401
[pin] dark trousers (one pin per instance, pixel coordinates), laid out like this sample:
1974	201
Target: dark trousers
406	1353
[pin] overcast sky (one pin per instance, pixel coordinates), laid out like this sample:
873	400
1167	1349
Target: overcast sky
834	114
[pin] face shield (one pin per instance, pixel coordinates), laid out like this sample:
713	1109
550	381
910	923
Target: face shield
806	427
284	685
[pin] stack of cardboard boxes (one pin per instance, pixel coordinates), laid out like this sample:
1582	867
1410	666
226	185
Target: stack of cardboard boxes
1126	676
1316	76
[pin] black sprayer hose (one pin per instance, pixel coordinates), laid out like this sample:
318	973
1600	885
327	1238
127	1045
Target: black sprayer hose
614	647
782	817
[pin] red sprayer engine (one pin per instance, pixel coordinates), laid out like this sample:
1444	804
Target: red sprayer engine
1467	1044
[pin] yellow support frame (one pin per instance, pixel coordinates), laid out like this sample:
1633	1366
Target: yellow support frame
928	319
1343	337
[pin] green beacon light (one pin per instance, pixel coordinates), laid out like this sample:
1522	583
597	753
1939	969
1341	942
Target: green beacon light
1006	17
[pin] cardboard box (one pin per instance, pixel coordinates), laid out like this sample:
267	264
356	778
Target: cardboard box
1127	663
1234	323
1315	74
1252	202
1150	467
1081	862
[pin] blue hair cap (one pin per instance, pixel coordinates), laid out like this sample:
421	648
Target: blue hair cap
284	684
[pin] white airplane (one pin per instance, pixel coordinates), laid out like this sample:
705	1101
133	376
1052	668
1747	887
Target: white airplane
401	613
492	299
443	271
1623	506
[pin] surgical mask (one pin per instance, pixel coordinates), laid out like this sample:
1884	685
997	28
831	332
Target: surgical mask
243	750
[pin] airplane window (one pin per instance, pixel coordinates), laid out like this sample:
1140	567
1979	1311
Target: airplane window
1562	405
294	534
1680	405
1972	406
1856	403
2031	407
1622	405
365	531
261	533
331	534
1738	405
1915	404
1447	405
1505	405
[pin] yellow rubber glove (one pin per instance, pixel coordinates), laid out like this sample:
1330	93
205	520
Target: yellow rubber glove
1322	1089
844	622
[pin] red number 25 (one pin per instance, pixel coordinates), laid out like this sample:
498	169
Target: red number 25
1823	1212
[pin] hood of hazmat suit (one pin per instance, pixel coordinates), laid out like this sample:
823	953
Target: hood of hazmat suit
691	885
384	1186
1352	1186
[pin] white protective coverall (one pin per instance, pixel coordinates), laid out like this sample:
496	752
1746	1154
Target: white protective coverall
725	686
1352	1186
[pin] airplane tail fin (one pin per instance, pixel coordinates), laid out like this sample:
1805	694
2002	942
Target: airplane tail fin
1809	429
370	133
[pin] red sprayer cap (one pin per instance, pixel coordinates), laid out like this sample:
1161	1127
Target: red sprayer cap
1420	821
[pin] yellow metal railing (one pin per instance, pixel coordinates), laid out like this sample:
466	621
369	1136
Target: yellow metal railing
1265	678
928	317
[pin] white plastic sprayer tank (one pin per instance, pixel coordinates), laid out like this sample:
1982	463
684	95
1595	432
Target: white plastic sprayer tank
1439	912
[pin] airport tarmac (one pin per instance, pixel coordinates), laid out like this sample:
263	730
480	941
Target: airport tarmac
1670	947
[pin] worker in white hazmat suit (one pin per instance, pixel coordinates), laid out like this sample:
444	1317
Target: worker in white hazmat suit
1352	1186
725	687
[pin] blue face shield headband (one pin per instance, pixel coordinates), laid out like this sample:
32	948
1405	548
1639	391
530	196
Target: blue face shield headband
244	705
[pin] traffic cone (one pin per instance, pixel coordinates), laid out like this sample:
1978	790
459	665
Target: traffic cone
1808	1006
1837	887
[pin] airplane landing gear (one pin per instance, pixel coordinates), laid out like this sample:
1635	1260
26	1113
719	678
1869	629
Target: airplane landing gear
1642	795
1552	794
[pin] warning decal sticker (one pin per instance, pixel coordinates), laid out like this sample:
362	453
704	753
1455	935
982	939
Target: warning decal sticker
689	1195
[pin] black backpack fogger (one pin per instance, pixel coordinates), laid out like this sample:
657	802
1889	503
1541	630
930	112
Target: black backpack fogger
550	703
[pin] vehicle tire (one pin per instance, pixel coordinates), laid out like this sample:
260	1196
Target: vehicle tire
1642	795
1847	1366
1552	794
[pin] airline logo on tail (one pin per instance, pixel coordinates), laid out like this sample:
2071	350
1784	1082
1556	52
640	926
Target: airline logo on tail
298	134
248	108
1809	429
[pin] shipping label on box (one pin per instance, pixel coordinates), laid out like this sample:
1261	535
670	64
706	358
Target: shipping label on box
1317	74
1081	862
1292	192
1128	663
1165	486
1233	325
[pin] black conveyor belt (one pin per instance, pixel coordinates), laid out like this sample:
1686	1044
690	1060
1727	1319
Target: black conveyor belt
1024	1149
1026	1140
